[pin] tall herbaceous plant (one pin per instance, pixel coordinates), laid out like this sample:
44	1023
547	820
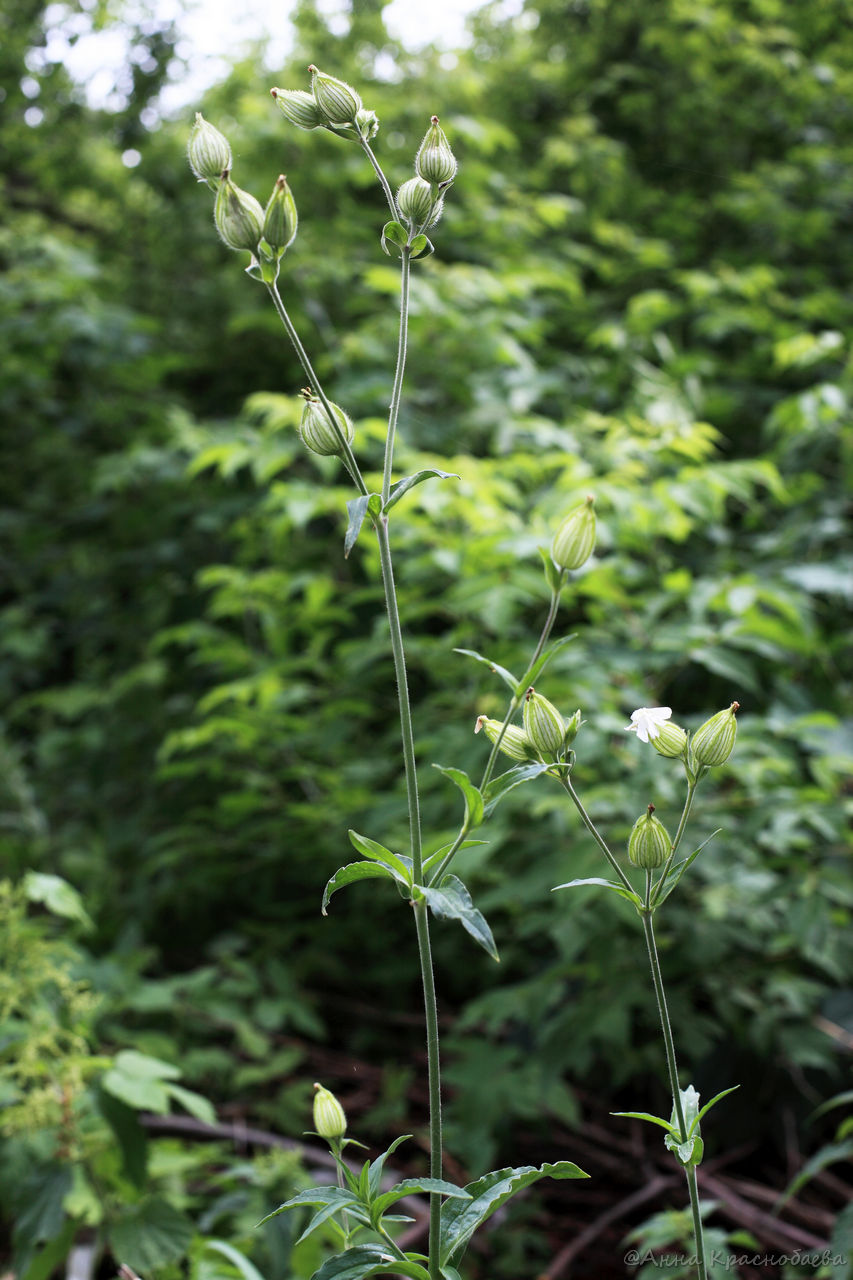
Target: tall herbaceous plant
360	1206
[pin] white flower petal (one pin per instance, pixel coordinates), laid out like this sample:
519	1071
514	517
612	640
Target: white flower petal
646	721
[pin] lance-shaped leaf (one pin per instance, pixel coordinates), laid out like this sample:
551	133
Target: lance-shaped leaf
417	1186
553	574
473	798
377	852
352	873
374	1172
627	894
507	676
451	901
435	859
461	1218
506	782
336	1197
646	1115
357	509
661	891
368	1260
403	486
542	661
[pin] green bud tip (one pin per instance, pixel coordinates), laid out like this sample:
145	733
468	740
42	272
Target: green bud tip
337	101
543	724
280	220
574	541
435	162
330	1119
238	216
714	741
208	152
514	743
649	844
317	431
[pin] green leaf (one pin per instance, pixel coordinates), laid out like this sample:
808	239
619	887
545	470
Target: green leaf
451	901
337	1197
687	1153
351	874
708	1105
506	782
57	895
149	1235
614	885
507	676
195	1103
42	1217
553	575
357	509
354	1210
368	1260
378	853
408	482
831	1154
460	1219
48	1259
394	233
374	1175
140	1081
422	247
542	661
473	798
416	1186
675	873
130	1135
435	859
645	1115
247	1269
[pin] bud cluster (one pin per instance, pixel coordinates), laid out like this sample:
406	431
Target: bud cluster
546	736
421	199
240	220
332	104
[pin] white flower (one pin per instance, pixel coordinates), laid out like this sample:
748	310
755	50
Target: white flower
646	722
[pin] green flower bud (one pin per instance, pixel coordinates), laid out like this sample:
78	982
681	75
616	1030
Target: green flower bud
515	742
543	724
299	107
714	741
208	152
366	123
572	726
671	740
238	216
574	541
415	201
317	431
338	102
330	1119
280	218
649	844
435	162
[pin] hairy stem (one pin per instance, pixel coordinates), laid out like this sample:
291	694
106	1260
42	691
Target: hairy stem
377	168
594	832
672	1069
397	390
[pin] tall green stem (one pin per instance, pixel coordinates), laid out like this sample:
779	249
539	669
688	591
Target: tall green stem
377	169
672	1068
594	832
397	390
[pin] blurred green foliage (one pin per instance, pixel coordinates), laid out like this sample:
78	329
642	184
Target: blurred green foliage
643	289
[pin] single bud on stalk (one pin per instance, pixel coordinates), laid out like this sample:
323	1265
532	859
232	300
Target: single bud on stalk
649	844
338	102
330	1119
366	123
317	431
299	107
574	541
515	742
671	740
543	724
208	152
280	218
238	216
435	162
415	201
714	741
572	726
